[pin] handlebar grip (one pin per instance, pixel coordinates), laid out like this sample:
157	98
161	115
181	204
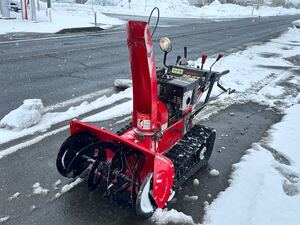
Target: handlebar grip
224	72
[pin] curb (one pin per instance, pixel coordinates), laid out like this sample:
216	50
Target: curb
79	29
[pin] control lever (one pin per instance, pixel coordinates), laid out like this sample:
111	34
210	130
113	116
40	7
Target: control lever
229	90
178	59
203	60
183	61
217	59
223	73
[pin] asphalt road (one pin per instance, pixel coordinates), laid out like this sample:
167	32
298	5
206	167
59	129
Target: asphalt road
57	69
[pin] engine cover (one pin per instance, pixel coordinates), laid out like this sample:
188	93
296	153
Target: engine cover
178	91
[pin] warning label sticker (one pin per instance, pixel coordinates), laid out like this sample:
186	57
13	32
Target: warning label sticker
143	121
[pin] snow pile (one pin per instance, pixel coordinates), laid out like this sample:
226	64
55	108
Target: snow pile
296	23
63	16
27	115
164	216
51	118
123	83
274	194
182	9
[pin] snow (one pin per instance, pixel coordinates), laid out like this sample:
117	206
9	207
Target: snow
164	216
196	182
15	195
32	208
256	77
274	194
123	83
57	195
205	204
296	23
116	111
285	136
56	184
27	115
190	197
71	15
262	189
182	9
63	16
214	173
39	190
4	219
124	120
68	187
51	118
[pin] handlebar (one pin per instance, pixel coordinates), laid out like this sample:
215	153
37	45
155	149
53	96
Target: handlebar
223	73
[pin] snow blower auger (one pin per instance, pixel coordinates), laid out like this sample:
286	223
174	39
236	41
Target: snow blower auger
144	163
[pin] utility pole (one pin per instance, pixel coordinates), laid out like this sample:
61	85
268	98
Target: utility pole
4	6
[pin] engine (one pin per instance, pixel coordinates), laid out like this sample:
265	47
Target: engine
179	89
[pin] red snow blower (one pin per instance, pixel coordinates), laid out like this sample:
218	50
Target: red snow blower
145	162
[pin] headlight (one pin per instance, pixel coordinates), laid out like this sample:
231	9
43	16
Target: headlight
165	44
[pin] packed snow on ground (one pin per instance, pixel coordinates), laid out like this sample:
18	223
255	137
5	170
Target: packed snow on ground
264	186
51	118
63	16
182	8
27	115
